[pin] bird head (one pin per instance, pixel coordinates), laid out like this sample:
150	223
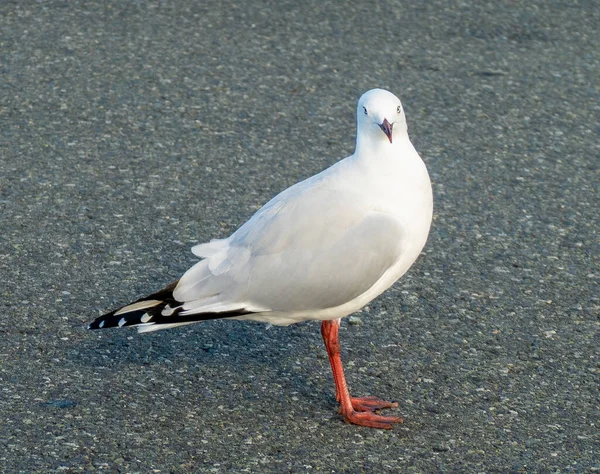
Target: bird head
380	116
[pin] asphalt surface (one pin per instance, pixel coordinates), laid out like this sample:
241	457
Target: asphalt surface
132	130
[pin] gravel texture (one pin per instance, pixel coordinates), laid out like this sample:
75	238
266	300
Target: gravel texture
132	130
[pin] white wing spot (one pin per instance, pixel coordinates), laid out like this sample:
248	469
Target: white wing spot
167	311
146	317
122	322
101	325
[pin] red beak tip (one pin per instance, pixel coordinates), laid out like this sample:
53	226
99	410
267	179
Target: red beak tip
386	127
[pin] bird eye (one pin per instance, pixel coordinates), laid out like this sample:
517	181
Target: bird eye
365	110
399	109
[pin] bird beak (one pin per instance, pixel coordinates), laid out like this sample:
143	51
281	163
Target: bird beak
386	127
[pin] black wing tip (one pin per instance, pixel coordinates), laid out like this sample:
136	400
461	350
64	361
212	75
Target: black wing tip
133	318
95	324
100	323
154	314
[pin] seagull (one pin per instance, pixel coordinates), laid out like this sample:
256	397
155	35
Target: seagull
320	250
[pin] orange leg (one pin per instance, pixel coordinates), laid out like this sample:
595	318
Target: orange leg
357	410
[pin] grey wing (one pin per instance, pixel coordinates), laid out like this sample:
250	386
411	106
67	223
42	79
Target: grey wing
312	247
329	274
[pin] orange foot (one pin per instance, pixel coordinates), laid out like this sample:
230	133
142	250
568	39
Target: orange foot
371	420
364	410
371	403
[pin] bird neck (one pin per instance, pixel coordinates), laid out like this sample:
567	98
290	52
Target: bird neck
368	145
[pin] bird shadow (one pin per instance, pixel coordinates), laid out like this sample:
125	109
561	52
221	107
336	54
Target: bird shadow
286	356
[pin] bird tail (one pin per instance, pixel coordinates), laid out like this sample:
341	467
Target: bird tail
157	311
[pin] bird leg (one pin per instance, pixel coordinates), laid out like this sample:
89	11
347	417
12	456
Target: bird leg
357	410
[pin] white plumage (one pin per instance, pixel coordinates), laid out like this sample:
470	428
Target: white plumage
322	248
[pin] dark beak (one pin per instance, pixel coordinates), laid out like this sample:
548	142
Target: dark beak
386	127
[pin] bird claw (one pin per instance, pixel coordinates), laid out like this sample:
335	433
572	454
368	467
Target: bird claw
371	420
365	413
371	403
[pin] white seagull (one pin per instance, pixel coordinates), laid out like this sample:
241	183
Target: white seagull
320	250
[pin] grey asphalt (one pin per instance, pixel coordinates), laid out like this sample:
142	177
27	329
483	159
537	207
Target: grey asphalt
132	130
